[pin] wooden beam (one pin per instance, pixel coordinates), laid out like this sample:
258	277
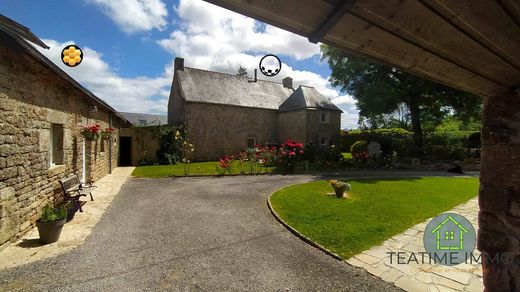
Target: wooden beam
332	18
415	23
486	22
355	34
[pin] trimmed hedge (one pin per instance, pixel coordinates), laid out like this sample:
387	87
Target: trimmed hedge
359	146
348	138
441	144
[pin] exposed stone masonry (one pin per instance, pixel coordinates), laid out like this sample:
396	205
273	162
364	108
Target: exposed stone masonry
32	98
499	199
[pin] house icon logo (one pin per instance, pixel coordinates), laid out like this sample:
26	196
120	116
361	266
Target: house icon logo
449	239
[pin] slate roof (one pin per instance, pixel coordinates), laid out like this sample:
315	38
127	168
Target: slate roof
307	97
17	37
139	119
213	87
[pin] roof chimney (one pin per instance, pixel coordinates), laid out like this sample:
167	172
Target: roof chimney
287	82
254	80
178	64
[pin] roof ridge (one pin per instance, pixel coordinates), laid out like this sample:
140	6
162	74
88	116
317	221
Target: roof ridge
233	75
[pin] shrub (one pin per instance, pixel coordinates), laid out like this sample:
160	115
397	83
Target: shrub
50	214
289	153
315	153
359	147
171	143
446	151
349	137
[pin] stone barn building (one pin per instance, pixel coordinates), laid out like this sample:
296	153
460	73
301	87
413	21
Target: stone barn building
42	111
225	113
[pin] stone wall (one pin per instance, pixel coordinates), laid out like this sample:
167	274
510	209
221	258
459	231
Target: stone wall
176	104
32	98
218	130
499	198
145	143
293	125
316	129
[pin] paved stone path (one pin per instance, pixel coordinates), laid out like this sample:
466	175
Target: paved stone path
29	249
422	277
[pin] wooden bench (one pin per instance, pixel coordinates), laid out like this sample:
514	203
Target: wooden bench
73	189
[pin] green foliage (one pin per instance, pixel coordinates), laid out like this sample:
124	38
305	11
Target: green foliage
452	124
50	214
313	153
448	152
171	146
196	168
382	136
439	145
387	96
359	147
242	72
377	210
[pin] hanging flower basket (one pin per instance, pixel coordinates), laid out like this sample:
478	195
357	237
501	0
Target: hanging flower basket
91	132
106	134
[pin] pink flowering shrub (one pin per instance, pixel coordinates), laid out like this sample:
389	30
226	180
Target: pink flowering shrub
289	153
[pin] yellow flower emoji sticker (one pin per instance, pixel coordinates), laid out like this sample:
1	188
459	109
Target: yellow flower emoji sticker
72	55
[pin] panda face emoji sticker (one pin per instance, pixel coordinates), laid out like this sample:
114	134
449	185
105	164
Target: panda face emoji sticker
72	55
270	65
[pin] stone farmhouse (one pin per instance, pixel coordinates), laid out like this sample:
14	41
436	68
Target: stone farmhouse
225	113
42	111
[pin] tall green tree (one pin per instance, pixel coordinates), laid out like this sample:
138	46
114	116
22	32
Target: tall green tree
381	92
242	72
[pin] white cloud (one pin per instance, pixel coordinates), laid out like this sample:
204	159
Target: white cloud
141	94
135	15
217	39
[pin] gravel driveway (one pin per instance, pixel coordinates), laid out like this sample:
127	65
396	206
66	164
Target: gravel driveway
193	234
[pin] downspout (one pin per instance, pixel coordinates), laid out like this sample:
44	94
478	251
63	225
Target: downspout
110	144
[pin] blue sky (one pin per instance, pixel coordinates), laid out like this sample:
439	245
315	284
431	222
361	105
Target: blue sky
129	47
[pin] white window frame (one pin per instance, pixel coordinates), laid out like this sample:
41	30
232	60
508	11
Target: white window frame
326	140
51	145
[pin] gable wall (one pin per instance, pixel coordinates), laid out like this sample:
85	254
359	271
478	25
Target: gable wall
176	104
293	125
315	128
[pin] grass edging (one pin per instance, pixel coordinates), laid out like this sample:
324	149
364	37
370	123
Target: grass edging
298	234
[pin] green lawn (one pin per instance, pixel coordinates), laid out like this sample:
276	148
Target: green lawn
197	168
377	210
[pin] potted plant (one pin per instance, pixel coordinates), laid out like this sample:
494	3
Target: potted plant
340	187
51	223
91	132
72	208
106	134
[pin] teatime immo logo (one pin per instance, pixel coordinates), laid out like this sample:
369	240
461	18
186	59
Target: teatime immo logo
450	239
